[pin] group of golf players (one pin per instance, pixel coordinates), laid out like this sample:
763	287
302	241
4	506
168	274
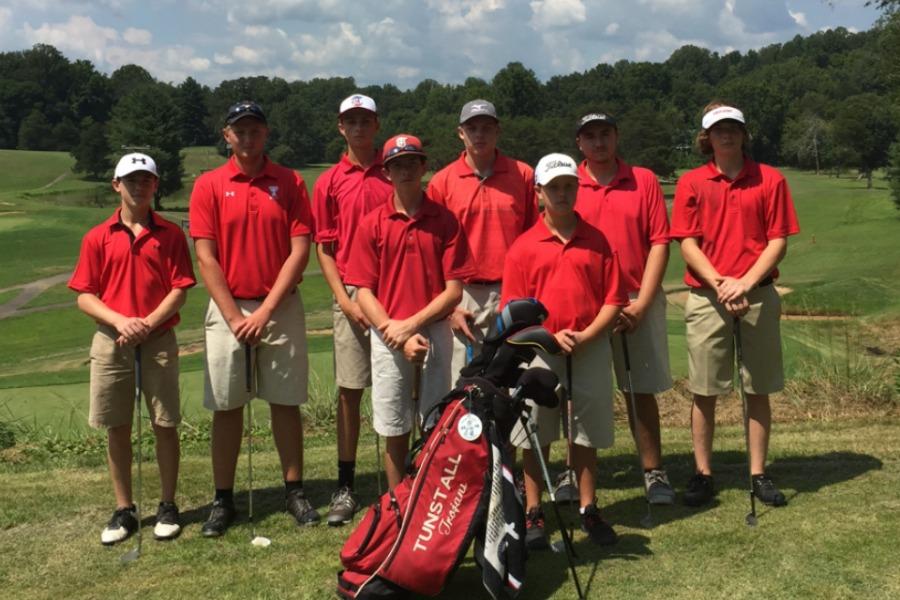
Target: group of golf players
418	278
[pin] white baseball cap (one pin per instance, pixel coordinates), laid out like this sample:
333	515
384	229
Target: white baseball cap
357	101
135	162
554	165
722	113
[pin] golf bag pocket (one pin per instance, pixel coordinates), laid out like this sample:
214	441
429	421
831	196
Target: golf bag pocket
371	541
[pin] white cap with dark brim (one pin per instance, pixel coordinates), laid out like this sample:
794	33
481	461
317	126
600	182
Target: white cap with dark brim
722	113
554	165
358	101
135	161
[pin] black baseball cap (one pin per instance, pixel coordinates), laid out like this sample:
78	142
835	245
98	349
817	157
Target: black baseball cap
246	108
595	117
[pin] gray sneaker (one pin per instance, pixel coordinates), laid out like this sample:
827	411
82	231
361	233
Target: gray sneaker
342	508
302	510
658	488
566	489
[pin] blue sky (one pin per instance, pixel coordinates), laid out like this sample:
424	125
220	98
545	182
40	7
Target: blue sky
403	41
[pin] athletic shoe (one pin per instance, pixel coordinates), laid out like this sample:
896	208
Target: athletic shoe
600	532
566	489
220	518
343	506
658	488
764	489
699	490
535	539
120	527
297	504
167	526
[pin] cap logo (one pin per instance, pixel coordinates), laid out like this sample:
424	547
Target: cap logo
134	160
356	101
478	108
555	164
273	191
400	142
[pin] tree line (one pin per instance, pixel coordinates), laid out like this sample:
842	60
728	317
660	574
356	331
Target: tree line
827	101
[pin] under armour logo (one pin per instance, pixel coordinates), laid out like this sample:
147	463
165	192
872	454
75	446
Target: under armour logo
138	160
230	194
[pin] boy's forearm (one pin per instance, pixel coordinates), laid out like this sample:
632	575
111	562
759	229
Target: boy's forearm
603	321
170	305
94	307
371	307
698	262
442	304
654	270
328	264
773	253
214	279
290	273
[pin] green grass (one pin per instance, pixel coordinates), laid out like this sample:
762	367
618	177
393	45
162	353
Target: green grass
58	294
835	539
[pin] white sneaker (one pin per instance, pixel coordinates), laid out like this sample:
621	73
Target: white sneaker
120	527
167	525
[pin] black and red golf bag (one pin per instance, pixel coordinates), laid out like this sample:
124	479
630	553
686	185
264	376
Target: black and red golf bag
459	486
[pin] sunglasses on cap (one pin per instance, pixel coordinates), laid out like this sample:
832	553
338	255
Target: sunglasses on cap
244	109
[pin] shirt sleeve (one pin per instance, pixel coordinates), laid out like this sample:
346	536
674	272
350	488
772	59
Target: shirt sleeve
531	204
615	285
201	212
456	261
324	211
86	277
300	218
781	217
437	188
181	270
363	263
658	220
685	210
515	283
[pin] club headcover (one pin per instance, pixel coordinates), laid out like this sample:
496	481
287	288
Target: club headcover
535	337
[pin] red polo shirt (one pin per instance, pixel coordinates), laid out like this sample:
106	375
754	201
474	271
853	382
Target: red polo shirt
132	275
407	261
252	221
732	220
342	196
630	212
574	280
493	211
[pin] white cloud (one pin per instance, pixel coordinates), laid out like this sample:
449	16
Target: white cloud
222	59
5	17
461	15
139	37
612	29
557	13
799	18
79	35
248	55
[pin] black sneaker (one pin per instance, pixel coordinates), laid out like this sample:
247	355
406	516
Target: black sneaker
566	489
297	504
764	489
600	532
535	539
220	518
658	488
168	526
343	506
699	490
120	527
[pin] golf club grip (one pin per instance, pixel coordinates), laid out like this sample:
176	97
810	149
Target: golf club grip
625	356
248	366
737	341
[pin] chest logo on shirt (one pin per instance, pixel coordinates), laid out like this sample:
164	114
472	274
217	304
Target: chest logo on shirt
273	192
230	193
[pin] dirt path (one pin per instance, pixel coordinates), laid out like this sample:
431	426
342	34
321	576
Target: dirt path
29	292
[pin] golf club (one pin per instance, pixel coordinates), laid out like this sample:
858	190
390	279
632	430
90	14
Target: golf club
739	355
531	431
135	552
378	460
417	382
570	439
256	540
647	520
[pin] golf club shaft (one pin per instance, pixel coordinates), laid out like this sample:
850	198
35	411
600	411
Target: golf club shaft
739	355
570	437
417	383
632	405
135	552
248	373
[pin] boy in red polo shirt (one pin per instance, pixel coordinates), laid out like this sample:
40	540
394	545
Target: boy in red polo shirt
251	224
568	265
493	198
408	262
343	195
132	277
626	204
733	217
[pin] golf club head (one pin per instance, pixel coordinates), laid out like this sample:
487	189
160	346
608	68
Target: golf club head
559	547
647	521
131	556
260	541
751	520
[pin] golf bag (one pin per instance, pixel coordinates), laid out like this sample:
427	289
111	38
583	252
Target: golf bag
459	486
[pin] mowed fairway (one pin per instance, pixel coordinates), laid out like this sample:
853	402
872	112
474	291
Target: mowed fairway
835	540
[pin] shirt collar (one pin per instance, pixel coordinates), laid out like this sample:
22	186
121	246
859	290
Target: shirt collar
348	167
624	172
545	235
501	164
428	209
268	169
750	169
115	220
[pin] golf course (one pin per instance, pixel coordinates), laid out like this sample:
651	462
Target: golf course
835	448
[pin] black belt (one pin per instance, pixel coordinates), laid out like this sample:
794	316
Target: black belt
482	282
767	281
262	298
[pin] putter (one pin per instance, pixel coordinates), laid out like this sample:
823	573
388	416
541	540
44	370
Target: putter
739	355
135	552
255	540
531	431
647	520
417	382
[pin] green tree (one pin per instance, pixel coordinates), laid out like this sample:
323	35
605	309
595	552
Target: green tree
191	99
893	172
148	118
35	132
866	124
92	152
517	92
805	139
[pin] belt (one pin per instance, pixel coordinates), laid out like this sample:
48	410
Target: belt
769	280
262	298
482	282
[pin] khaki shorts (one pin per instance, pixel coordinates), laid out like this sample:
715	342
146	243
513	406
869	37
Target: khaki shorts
280	360
484	302
648	352
592	398
112	379
711	347
392	380
352	349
